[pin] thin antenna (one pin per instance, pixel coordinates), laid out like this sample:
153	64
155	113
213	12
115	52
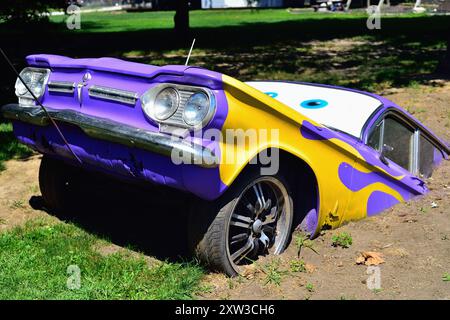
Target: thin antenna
190	51
41	105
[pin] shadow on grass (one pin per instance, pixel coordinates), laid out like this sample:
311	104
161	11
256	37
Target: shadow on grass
146	219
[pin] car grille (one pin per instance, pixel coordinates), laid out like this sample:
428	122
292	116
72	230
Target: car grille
118	95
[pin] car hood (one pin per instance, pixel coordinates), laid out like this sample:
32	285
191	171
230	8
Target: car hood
105	64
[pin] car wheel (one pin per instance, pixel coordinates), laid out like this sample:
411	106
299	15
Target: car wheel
57	184
251	220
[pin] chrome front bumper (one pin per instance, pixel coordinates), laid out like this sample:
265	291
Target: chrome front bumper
105	129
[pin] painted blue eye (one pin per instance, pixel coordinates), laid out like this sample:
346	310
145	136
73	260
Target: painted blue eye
272	94
314	104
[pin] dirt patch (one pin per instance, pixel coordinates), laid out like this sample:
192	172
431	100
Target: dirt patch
18	183
413	238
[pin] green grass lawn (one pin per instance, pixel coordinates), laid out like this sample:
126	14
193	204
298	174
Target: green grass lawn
139	21
257	44
122	21
34	261
9	146
331	48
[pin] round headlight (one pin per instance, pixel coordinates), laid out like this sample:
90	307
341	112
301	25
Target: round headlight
196	109
165	104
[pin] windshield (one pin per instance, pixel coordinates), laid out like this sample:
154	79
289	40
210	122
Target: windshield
339	109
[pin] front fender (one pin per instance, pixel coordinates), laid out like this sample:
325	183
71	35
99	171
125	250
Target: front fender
278	126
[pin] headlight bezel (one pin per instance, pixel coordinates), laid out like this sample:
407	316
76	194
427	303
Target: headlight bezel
46	75
185	92
150	108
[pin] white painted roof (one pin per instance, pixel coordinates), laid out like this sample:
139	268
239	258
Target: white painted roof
344	110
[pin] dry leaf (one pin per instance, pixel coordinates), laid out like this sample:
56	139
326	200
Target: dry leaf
249	271
370	258
310	268
360	260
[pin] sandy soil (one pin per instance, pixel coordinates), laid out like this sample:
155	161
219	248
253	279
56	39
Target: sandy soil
414	237
18	183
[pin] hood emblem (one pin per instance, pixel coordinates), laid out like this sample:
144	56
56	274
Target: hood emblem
86	77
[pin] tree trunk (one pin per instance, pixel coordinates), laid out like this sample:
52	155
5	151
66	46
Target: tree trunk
181	19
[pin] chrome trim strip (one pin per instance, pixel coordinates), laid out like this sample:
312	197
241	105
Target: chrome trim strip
61	86
365	131
415	153
116	132
118	95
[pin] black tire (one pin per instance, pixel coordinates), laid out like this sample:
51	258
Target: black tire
57	183
209	224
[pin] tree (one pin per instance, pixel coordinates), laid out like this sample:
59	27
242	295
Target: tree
181	18
23	11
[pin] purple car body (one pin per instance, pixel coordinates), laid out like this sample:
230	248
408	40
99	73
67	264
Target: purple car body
129	160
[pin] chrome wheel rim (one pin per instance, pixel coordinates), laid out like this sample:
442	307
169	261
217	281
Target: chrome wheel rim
260	222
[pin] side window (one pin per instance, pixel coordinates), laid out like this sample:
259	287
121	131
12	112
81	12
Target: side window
401	147
426	157
400	139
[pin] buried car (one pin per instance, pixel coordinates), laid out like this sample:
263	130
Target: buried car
260	158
